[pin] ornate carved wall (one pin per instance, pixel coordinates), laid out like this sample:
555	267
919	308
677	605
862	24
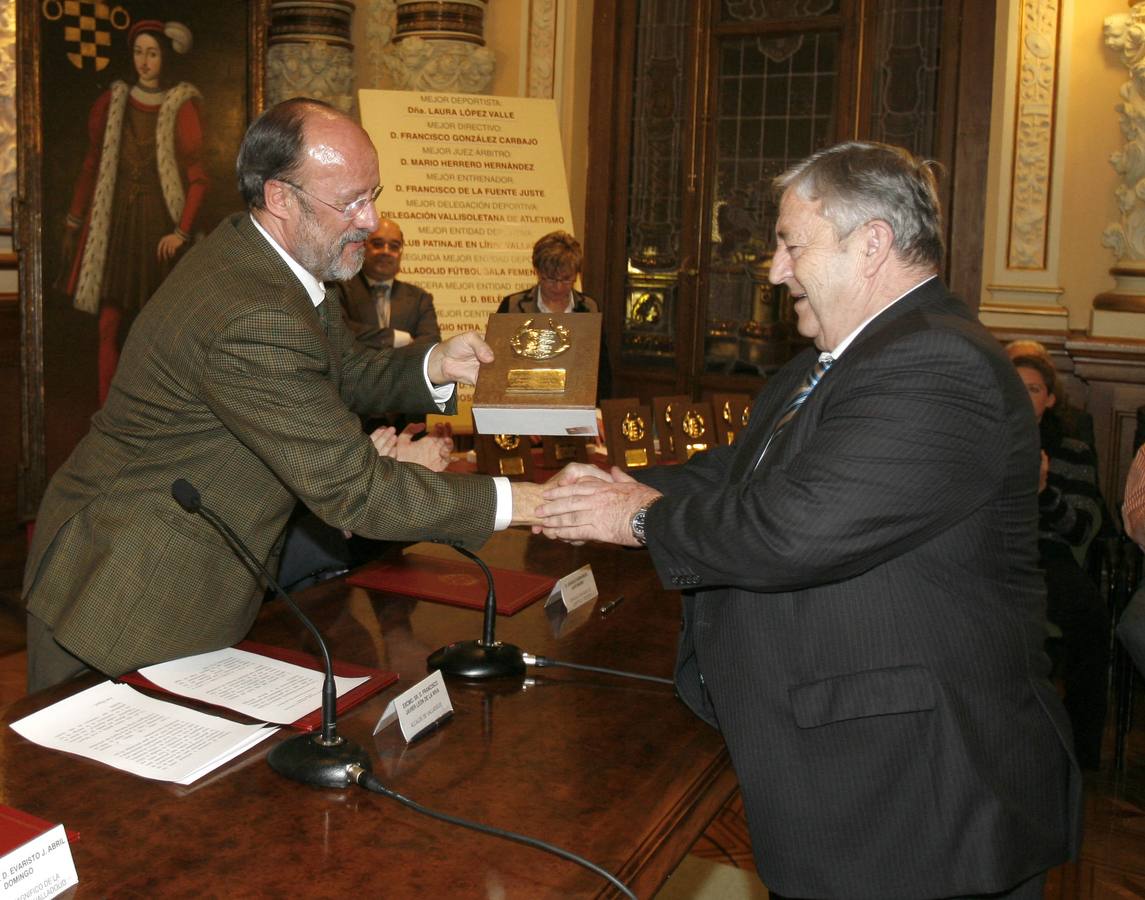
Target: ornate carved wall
309	52
1022	281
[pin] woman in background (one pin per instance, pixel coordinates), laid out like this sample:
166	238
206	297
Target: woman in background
557	259
1069	517
140	188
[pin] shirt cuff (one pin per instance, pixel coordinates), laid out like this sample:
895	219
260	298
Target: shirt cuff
504	514
441	392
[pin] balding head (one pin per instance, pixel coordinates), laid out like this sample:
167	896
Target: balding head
276	144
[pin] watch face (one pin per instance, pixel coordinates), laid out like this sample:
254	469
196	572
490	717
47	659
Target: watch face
638	524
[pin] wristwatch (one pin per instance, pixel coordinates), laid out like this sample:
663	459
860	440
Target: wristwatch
638	523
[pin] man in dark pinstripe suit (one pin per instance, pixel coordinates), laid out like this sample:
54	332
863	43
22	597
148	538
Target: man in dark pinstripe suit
241	376
863	613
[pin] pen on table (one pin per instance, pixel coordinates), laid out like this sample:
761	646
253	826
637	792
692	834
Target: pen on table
610	605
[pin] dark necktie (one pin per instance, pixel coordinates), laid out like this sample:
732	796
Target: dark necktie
798	398
381	294
327	304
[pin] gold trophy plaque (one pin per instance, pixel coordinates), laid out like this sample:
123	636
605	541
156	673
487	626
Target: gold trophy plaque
628	433
505	454
731	412
543	377
693	429
558	452
666	412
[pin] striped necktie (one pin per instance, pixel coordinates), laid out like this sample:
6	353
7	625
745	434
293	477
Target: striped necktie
798	398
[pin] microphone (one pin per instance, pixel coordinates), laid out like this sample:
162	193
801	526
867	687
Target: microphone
323	758
484	658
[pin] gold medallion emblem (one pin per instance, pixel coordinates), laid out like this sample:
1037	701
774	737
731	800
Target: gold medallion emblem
693	424
632	428
540	343
507	442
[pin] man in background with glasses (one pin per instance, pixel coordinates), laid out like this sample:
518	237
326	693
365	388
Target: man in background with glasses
241	377
381	310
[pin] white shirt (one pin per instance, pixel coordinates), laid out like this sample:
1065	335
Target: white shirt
541	307
441	393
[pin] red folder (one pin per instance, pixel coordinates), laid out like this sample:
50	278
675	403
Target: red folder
18	827
379	679
452	582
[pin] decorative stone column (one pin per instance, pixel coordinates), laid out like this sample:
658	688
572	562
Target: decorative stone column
309	51
439	46
1125	34
1021	267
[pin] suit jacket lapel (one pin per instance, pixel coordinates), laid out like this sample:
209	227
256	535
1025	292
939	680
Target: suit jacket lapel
293	295
769	405
766	410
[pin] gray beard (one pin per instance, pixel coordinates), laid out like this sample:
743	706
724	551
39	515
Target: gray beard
324	263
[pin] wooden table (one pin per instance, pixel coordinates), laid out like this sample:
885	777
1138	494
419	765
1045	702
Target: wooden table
618	771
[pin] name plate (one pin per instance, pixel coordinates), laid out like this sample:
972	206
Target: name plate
38	859
419	710
575	589
535	381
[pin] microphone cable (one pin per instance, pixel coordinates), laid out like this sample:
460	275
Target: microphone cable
371	783
542	662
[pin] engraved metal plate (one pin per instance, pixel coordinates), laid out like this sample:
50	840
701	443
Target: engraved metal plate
540	343
535	381
636	458
512	465
565	451
695	448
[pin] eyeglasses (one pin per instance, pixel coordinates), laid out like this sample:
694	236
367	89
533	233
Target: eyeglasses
549	280
351	210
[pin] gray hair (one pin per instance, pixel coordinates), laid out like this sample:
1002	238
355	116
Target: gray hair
273	147
859	181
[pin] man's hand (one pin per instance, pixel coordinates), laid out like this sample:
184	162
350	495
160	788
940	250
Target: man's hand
593	508
431	451
1043	472
574	472
526	498
458	359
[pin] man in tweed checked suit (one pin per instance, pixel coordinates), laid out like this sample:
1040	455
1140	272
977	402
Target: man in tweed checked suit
241	376
863	612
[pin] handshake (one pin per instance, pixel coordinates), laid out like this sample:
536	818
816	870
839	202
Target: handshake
583	503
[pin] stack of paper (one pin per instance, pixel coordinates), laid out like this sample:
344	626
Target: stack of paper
117	725
255	685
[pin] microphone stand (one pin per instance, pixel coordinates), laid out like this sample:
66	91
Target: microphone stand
484	658
322	758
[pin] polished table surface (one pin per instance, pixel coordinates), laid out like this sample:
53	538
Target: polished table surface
615	770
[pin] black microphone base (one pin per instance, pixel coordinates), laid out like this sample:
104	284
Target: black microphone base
305	758
476	660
